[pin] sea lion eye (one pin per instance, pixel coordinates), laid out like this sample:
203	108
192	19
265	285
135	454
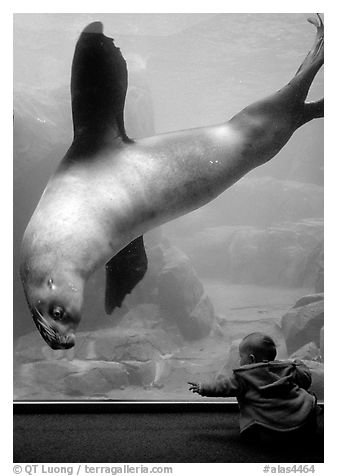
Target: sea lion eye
58	313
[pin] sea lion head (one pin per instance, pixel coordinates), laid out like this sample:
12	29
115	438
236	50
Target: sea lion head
55	304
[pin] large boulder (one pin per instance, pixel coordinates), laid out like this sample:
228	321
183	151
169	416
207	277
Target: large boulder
116	345
181	296
36	380
76	378
95	378
302	324
140	373
308	299
307	352
48	373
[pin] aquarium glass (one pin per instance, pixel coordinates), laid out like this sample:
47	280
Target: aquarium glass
251	260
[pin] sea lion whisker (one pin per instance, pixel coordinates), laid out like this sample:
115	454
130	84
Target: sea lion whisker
48	332
43	326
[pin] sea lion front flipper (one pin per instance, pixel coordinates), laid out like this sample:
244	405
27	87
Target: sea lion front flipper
99	82
123	272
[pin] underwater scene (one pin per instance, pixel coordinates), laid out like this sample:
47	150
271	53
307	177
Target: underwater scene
252	260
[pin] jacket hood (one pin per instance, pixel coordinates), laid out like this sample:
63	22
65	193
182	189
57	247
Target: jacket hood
271	379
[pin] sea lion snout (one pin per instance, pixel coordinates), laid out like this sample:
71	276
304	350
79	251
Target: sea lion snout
66	342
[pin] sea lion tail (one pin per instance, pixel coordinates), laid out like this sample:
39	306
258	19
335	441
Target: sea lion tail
312	62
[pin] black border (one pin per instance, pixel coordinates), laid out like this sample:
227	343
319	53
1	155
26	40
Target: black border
112	406
131	406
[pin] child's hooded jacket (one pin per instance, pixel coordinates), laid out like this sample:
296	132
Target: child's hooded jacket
272	394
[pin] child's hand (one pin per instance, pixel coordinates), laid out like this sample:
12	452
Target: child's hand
195	387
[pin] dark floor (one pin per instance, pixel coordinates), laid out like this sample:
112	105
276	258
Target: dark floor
186	437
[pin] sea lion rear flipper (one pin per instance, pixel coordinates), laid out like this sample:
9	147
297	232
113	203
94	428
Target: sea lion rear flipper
123	272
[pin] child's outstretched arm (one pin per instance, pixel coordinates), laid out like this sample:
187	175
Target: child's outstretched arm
221	387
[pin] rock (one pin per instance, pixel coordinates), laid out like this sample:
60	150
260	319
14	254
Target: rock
181	296
321	343
199	322
319	283
314	268
79	378
150	373
302	325
120	345
309	299
221	320
96	378
46	375
217	332
309	351
178	279
317	375
140	373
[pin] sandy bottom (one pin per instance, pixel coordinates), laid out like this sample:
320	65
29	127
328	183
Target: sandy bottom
247	302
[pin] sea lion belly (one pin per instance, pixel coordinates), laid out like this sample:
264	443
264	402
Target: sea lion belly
158	179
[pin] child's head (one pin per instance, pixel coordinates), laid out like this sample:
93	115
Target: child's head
256	347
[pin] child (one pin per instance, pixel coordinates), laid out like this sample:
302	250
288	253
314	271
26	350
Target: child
272	395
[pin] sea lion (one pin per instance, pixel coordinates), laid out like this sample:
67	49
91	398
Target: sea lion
109	189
